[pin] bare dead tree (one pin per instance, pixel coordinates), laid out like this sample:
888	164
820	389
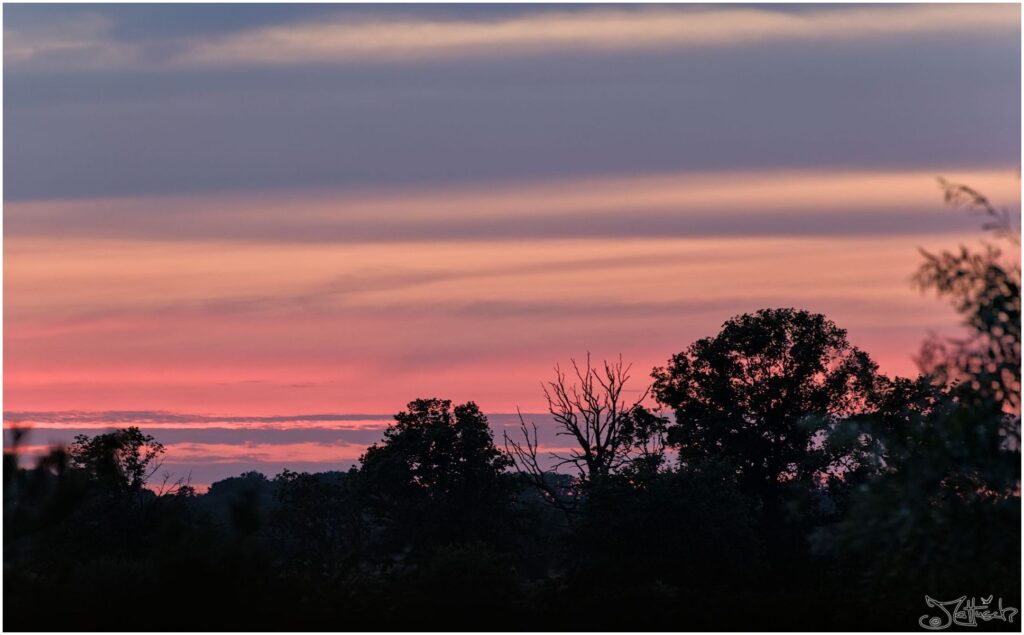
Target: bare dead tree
590	407
170	486
592	410
525	458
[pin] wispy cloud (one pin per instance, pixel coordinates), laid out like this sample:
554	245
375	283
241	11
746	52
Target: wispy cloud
726	203
83	39
87	419
396	39
597	30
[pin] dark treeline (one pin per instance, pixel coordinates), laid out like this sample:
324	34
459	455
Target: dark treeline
770	478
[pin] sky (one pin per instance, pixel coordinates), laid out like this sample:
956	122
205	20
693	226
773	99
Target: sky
257	231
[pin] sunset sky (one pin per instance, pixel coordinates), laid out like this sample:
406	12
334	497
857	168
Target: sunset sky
258	230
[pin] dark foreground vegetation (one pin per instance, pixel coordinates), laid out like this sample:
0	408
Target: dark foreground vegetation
771	478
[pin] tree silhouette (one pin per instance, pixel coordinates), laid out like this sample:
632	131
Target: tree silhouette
318	522
949	496
984	287
608	432
122	460
811	493
761	392
437	472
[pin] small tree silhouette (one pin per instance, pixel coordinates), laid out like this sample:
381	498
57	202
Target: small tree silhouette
122	460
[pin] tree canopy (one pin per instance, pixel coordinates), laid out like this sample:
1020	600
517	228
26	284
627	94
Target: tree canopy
437	470
762	391
123	459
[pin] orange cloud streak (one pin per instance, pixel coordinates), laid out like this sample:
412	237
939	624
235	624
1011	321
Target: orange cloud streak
217	325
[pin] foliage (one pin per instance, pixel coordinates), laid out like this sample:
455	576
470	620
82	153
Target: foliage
691	529
949	496
762	393
984	287
437	474
811	493
122	460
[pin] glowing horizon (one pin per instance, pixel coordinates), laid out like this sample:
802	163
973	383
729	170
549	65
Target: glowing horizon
222	223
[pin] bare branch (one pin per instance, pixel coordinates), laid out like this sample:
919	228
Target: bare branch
525	459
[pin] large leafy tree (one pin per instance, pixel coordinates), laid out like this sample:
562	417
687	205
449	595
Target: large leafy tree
762	393
437	474
944	514
984	287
